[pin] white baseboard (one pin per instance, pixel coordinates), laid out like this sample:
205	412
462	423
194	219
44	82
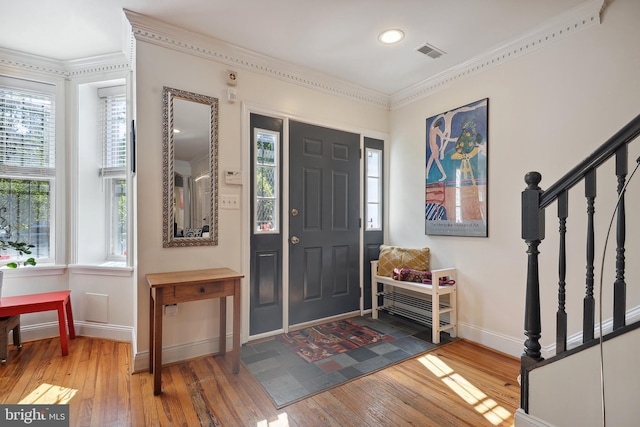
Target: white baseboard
515	346
180	352
500	342
102	330
88	329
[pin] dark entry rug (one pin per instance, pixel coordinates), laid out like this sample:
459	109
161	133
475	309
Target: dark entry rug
323	341
366	346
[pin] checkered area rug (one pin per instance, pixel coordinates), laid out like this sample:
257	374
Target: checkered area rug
287	377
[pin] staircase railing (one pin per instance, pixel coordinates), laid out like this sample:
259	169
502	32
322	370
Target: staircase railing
534	202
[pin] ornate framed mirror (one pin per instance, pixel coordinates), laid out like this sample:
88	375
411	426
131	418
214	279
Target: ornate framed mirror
189	169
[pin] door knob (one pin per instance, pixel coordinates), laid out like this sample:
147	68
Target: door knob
294	212
295	240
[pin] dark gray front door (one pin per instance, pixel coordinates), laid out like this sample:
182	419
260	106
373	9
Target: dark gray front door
324	276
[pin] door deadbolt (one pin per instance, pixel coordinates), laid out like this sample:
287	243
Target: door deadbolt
295	240
294	212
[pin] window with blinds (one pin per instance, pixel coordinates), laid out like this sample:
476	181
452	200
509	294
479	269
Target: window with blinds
27	164
27	132
113	130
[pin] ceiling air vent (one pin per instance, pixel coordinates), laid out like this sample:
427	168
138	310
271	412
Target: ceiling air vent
431	51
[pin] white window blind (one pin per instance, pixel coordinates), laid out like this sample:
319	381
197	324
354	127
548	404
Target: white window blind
113	131
27	164
113	126
27	133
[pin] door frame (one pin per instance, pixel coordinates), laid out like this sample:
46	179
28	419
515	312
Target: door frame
246	164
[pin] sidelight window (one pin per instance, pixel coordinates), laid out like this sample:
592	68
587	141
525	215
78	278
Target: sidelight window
267	189
374	189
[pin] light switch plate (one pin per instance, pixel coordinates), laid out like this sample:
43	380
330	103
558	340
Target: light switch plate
229	201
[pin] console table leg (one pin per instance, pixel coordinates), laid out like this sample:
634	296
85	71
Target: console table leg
223	325
157	343
235	368
151	330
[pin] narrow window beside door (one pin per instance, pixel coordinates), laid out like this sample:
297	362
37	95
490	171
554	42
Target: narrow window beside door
266	185
374	189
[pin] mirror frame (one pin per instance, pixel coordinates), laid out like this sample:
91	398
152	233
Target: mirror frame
168	170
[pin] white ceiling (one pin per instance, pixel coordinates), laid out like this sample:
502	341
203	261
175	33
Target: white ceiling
334	37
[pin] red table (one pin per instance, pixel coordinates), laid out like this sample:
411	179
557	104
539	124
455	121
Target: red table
60	301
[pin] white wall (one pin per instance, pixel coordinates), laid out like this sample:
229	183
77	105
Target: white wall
193	330
548	110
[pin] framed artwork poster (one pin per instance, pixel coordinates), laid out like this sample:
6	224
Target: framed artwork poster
456	171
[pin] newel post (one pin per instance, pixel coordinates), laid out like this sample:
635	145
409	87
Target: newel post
532	234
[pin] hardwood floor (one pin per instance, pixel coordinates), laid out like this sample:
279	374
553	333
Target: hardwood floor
458	384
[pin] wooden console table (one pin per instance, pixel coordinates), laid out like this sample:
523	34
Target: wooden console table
59	301
184	286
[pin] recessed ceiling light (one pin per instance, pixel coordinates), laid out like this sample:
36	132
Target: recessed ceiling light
176	130
391	36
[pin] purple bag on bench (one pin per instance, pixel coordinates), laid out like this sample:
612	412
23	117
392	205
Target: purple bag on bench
409	275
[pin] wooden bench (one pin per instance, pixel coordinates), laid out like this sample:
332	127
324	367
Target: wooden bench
59	301
433	305
8	324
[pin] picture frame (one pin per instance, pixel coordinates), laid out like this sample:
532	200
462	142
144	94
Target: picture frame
456	173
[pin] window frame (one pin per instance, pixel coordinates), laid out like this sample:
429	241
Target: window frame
276	198
50	174
378	177
111	173
112	206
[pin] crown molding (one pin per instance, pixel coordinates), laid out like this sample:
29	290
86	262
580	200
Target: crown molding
97	65
64	69
166	35
144	28
558	28
128	41
31	63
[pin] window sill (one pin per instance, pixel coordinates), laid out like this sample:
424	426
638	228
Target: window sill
110	269
34	271
107	269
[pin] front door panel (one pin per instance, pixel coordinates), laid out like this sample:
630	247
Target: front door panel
324	278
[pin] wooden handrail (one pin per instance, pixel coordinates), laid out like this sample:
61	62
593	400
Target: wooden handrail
624	136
